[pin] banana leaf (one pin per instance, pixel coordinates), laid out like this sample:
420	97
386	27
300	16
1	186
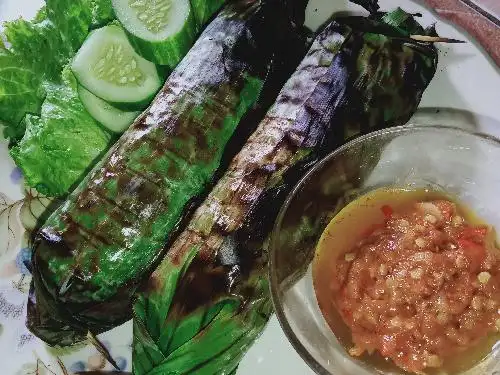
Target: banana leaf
94	251
209	299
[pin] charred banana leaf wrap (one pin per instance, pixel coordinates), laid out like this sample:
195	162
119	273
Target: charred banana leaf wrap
94	250
208	300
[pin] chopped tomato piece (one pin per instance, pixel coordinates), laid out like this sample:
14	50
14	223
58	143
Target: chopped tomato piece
446	207
475	253
481	230
387	210
475	234
388	345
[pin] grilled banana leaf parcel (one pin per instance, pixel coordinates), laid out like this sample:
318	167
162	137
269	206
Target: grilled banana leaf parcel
95	249
208	300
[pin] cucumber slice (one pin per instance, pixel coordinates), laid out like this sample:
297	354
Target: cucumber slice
107	66
112	118
160	30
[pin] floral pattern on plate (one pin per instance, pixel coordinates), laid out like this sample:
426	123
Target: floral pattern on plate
17	219
27	355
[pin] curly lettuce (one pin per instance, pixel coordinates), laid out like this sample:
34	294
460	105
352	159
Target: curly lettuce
36	52
62	142
20	93
53	139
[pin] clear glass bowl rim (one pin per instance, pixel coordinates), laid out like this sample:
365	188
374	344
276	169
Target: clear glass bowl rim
275	295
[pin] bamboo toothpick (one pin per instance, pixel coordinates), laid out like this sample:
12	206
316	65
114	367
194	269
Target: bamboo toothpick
101	349
434	39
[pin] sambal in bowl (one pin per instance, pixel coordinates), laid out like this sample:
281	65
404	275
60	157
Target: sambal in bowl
384	258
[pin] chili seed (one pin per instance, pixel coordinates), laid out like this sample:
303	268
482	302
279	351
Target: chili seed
477	303
349	257
382	270
457	221
483	277
430	218
434	361
416	273
420	242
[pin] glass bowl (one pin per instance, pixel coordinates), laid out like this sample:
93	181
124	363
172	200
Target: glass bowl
460	162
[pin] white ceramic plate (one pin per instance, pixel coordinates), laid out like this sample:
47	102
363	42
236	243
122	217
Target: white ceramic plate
466	89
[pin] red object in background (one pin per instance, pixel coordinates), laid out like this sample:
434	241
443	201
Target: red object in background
467	14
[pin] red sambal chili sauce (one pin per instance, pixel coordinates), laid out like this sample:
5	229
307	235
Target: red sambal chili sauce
414	276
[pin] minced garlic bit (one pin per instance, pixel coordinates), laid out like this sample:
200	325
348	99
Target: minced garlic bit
461	261
416	273
483	277
442	317
396	322
430	218
457	221
420	242
391	283
404	223
497	324
419	228
356	351
382	270
434	361
430	208
491	305
349	257
477	303
409	324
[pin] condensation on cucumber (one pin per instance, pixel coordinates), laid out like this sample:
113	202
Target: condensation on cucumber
107	66
162	31
112	118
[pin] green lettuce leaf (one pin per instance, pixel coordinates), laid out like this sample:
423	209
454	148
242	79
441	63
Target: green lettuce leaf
19	93
36	53
73	20
60	144
102	12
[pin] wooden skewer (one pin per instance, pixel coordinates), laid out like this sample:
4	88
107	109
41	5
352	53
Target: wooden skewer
61	365
101	349
434	39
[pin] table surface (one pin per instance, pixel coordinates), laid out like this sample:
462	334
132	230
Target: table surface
474	99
